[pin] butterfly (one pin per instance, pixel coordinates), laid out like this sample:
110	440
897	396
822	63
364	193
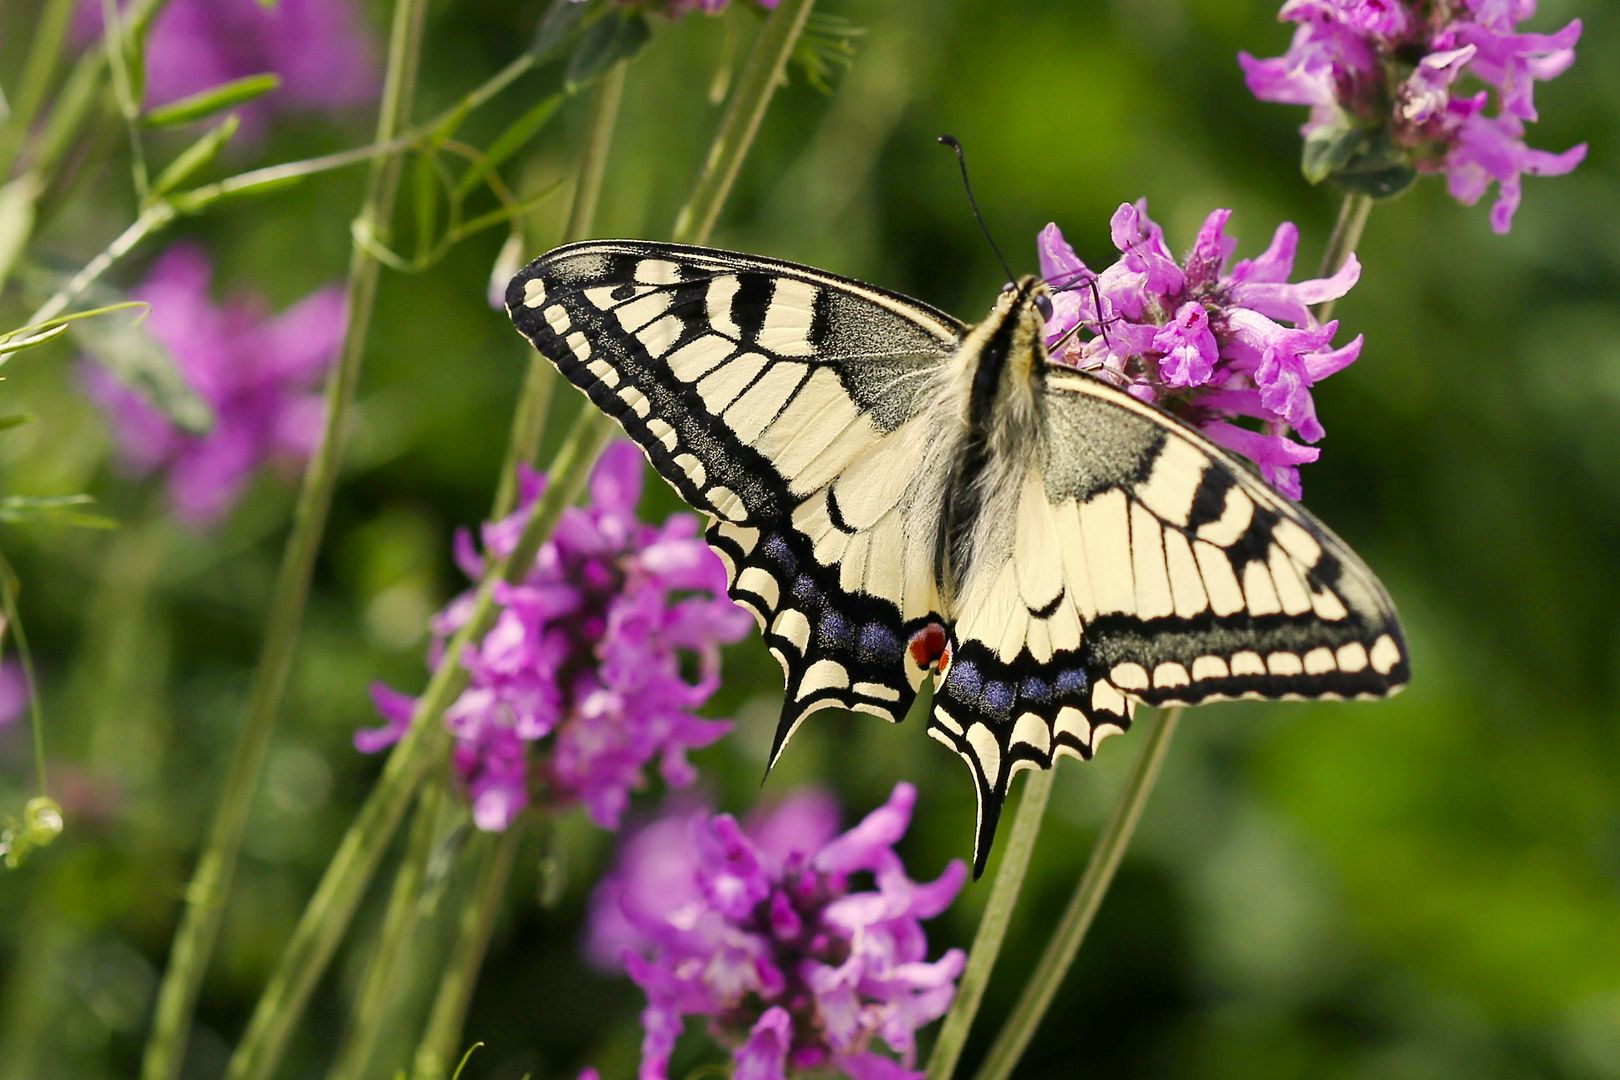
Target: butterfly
901	499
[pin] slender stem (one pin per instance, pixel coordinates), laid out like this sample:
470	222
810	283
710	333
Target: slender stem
992	925
44	52
1341	242
438	1050
379	990
327	917
210	883
541	377
760	77
153	219
1071	928
325	920
129	107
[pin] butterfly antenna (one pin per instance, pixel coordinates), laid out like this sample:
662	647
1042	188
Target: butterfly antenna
961	160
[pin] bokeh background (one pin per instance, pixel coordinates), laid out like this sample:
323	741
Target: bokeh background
1428	887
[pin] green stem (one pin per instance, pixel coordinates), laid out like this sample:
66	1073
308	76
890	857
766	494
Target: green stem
760	77
152	220
1088	895
459	975
73	104
210	883
1342	241
380	989
541	377
330	910
992	925
44	52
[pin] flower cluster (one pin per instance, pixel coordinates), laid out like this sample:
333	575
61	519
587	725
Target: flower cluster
256	372
320	49
1381	78
762	930
1209	342
587	651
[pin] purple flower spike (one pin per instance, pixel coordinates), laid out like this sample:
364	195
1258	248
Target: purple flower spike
760	928
321	49
257	373
580	684
1382	76
1210	342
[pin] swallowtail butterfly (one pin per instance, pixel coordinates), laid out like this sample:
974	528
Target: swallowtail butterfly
900	498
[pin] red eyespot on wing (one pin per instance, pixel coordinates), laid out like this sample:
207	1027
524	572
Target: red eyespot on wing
930	648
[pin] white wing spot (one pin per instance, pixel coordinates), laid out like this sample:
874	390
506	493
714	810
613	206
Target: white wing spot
1385	654
1169	675
823	675
1031	730
534	293
1129	676
877	690
760	582
791	624
1247	663
1073	723
988	751
1208	667
1284	663
1352	658
1319	661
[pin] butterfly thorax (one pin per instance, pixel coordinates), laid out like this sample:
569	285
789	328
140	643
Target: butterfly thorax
994	387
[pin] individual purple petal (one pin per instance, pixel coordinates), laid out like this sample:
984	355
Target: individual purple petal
1188	346
764	1055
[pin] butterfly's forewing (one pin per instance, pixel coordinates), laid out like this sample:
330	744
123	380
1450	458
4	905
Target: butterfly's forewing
1144	564
785	403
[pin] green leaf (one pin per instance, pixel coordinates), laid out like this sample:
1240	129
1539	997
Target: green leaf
26	337
195	157
607	41
211	195
1329	149
509	142
425	191
215	99
137	360
1381	180
557	29
55	509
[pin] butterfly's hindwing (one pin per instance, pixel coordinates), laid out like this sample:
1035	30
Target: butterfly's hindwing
1139	563
783	402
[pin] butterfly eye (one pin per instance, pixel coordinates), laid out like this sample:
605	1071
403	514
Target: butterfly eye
1043	304
1009	287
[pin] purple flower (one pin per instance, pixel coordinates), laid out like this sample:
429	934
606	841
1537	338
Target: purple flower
255	371
321	49
1381	79
586	656
1209	342
762	930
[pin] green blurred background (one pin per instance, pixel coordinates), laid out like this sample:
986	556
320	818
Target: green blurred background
1428	887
